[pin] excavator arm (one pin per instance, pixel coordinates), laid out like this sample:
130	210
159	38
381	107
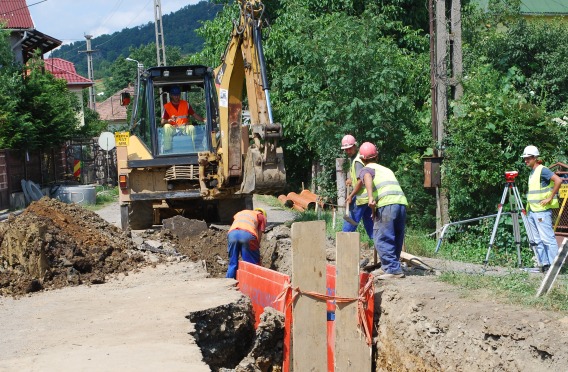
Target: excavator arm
249	155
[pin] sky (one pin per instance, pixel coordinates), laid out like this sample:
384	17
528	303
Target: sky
71	20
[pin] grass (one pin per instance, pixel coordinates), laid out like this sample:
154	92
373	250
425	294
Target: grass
269	200
105	196
515	288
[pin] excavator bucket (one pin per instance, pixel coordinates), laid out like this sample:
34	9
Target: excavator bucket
261	177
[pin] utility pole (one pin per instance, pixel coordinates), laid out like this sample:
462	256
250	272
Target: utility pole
457	62
160	45
440	81
90	73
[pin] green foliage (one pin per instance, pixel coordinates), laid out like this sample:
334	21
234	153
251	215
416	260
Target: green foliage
216	33
37	112
6	56
492	124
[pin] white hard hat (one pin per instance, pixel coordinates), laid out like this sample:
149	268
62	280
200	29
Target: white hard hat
530	151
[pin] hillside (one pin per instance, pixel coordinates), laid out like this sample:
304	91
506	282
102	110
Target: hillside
179	31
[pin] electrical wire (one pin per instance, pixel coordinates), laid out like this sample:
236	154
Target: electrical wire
129	23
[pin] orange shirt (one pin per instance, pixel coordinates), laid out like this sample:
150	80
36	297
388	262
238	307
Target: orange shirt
182	111
251	221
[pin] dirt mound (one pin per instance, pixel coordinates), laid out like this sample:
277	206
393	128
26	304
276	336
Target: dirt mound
53	244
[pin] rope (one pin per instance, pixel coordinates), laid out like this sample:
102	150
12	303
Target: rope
365	294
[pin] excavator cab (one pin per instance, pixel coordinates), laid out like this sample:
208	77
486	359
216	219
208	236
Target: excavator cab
189	136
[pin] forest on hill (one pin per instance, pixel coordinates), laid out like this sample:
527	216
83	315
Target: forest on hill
179	31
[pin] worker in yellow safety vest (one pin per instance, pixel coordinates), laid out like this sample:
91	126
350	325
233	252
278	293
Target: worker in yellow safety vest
541	199
357	198
176	115
387	200
244	238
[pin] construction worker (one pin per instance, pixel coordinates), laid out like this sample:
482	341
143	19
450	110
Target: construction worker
541	199
176	114
359	211
244	238
387	200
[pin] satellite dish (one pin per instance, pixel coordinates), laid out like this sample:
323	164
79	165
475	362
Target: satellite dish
106	141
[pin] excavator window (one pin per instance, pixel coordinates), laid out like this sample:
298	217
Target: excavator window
190	137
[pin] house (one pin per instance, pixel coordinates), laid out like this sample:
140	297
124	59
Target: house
112	112
63	69
24	38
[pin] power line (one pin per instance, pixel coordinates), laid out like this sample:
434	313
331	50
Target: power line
24	7
129	23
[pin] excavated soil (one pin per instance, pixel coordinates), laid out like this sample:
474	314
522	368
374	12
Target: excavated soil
53	245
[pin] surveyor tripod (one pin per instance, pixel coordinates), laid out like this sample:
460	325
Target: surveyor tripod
516	207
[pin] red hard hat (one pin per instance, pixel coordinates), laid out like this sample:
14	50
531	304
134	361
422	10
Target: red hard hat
348	141
368	150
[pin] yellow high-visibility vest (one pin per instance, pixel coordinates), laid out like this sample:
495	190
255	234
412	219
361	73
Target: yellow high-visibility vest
537	193
386	188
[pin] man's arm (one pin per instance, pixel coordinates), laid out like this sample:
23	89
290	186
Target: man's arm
557	183
358	186
368	179
198	117
261	225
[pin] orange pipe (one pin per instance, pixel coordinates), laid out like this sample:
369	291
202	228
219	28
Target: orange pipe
285	201
312	197
301	201
297	208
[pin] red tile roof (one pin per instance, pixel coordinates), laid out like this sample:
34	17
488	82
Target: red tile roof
111	110
17	14
63	69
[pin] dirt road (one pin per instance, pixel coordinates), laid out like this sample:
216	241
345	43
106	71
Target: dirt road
133	323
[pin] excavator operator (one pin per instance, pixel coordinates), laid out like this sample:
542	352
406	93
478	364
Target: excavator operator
176	113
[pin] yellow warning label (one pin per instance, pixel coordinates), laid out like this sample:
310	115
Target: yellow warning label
121	138
563	190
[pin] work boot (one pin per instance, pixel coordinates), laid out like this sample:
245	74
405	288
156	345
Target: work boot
378	272
545	268
390	276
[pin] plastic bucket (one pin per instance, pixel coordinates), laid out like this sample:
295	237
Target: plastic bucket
81	194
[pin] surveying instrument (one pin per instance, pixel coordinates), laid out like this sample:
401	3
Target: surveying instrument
516	207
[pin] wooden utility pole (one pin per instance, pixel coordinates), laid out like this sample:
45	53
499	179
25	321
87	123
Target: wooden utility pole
457	62
439	78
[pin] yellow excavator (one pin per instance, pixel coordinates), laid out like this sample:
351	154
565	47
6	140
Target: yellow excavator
168	164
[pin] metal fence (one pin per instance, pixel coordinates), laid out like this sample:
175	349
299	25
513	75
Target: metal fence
77	162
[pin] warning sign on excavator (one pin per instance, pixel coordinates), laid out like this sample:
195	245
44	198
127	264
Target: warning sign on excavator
563	190
121	138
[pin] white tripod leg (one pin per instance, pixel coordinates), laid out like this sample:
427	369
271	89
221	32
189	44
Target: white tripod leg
525	219
494	232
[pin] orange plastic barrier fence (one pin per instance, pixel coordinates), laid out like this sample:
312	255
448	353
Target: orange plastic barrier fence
265	287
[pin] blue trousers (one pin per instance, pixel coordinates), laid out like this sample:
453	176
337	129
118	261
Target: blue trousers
242	243
358	213
388	232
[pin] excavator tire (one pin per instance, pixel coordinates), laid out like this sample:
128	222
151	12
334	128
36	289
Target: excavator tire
140	215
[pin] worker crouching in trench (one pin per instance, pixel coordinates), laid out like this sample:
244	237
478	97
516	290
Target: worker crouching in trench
244	238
